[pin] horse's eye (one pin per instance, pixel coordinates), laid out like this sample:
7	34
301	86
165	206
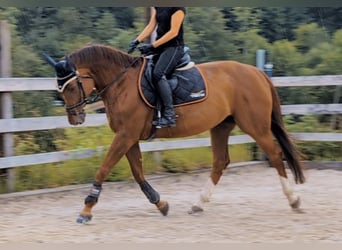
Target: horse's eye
71	88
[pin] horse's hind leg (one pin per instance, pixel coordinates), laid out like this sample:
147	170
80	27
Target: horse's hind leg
219	141
274	154
135	160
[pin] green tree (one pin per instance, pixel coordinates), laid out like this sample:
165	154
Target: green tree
248	18
105	27
332	56
250	41
124	16
309	35
286	58
208	39
278	23
328	18
231	20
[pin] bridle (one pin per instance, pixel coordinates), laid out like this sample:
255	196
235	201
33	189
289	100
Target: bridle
84	100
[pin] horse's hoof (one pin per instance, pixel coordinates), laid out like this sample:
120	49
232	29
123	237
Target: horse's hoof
163	207
195	209
83	219
296	204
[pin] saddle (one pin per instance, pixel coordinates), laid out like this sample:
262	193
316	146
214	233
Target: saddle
186	81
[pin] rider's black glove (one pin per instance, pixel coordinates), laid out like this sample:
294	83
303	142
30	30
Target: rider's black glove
146	49
132	46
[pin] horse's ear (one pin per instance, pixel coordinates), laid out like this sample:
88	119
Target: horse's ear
69	65
49	60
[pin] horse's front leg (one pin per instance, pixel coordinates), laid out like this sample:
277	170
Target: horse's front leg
119	147
135	160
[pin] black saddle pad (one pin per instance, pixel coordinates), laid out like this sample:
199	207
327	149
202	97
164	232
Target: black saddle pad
188	86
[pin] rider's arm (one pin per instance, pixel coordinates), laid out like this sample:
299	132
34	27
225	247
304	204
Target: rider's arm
149	27
176	23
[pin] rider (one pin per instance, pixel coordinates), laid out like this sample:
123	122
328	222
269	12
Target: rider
169	49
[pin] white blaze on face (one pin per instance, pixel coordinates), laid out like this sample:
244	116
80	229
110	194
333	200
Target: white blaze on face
288	191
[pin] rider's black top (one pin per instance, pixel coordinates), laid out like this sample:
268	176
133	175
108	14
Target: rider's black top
164	24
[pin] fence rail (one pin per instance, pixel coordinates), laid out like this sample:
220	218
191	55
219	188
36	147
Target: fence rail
55	122
12	84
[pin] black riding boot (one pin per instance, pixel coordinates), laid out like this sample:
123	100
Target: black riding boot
168	116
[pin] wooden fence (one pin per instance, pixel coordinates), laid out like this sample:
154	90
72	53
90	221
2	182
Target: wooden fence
12	125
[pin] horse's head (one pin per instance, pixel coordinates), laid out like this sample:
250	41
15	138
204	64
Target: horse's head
75	87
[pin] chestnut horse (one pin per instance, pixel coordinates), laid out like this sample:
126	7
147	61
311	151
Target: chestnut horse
238	94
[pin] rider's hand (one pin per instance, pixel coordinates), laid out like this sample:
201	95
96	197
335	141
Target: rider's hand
146	49
132	46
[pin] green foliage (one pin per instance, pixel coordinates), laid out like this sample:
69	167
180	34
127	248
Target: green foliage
317	56
184	160
208	39
249	18
33	103
104	27
337	39
321	151
211	33
309	35
314	151
122	39
54	175
276	25
305	95
26	62
331	55
250	42
327	17
286	58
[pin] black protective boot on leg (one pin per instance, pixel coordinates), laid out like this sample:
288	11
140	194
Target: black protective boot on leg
168	116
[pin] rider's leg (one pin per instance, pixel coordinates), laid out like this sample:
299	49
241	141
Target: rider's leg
165	93
166	63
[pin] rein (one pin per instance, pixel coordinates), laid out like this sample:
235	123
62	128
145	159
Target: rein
116	79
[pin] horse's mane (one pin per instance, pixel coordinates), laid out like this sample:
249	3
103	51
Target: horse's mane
97	53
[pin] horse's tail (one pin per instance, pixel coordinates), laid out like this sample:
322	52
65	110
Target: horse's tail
289	149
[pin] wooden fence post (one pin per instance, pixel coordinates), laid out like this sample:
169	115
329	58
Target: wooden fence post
6	110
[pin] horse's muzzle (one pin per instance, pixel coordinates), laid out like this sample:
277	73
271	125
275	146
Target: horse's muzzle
76	117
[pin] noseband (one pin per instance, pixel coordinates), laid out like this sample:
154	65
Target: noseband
70	109
84	100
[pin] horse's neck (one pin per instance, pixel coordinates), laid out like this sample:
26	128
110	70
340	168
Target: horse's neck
122	100
109	73
113	81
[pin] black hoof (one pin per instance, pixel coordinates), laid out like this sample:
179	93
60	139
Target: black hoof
195	209
83	219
